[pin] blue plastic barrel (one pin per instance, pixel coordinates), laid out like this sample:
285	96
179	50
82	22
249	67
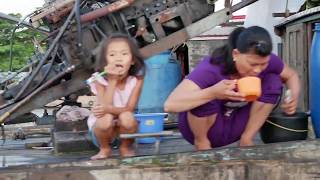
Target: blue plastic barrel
149	123
315	80
163	74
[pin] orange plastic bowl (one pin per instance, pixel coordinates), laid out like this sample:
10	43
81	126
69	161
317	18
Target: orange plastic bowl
250	86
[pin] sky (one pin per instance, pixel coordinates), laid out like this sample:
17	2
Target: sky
25	7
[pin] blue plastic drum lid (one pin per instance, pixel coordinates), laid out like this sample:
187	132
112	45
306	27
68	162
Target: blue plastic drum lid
163	74
315	80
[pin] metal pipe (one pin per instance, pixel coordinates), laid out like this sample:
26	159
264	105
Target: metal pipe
24	23
287	12
50	66
242	4
53	44
6	105
58	15
79	31
105	10
4	116
99	30
50	9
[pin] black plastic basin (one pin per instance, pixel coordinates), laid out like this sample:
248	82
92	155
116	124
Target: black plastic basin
280	127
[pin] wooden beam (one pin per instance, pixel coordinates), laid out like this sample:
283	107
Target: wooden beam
282	14
142	135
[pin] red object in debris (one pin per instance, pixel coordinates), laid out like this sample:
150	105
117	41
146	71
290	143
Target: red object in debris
239	17
105	10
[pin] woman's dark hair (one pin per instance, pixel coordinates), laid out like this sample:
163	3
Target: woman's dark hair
137	69
254	39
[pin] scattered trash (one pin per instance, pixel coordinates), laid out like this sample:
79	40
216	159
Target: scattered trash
72	113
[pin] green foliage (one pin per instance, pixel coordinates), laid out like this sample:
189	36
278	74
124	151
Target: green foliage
23	47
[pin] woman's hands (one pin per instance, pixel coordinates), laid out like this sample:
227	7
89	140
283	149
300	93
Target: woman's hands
291	78
290	103
225	90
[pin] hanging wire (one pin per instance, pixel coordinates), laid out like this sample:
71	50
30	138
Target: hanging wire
12	37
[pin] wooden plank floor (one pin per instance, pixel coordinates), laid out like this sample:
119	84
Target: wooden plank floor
14	152
289	160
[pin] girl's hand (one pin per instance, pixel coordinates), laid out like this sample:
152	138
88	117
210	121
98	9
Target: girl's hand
99	111
289	106
225	90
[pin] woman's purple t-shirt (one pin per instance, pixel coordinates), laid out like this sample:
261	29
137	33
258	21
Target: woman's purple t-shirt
232	116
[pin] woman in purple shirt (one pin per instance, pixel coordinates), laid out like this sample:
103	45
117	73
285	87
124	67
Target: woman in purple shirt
212	112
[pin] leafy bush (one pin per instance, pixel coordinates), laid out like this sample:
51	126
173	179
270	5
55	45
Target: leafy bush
23	47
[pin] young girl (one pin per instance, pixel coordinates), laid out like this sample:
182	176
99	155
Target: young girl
213	114
117	94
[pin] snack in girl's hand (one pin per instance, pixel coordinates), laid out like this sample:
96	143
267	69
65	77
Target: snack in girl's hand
94	77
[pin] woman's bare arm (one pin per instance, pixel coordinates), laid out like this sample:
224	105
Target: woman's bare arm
189	95
291	79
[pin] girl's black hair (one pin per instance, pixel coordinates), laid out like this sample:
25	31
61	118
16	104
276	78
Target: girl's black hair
137	69
253	39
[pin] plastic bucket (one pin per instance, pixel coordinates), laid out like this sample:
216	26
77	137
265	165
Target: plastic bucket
280	127
149	123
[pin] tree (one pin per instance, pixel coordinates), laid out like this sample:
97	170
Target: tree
23	47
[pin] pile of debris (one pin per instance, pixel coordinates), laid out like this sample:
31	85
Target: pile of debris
13	76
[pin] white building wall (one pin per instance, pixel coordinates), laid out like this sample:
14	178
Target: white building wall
260	14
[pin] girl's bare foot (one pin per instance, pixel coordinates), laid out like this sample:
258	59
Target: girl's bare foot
102	154
126	152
